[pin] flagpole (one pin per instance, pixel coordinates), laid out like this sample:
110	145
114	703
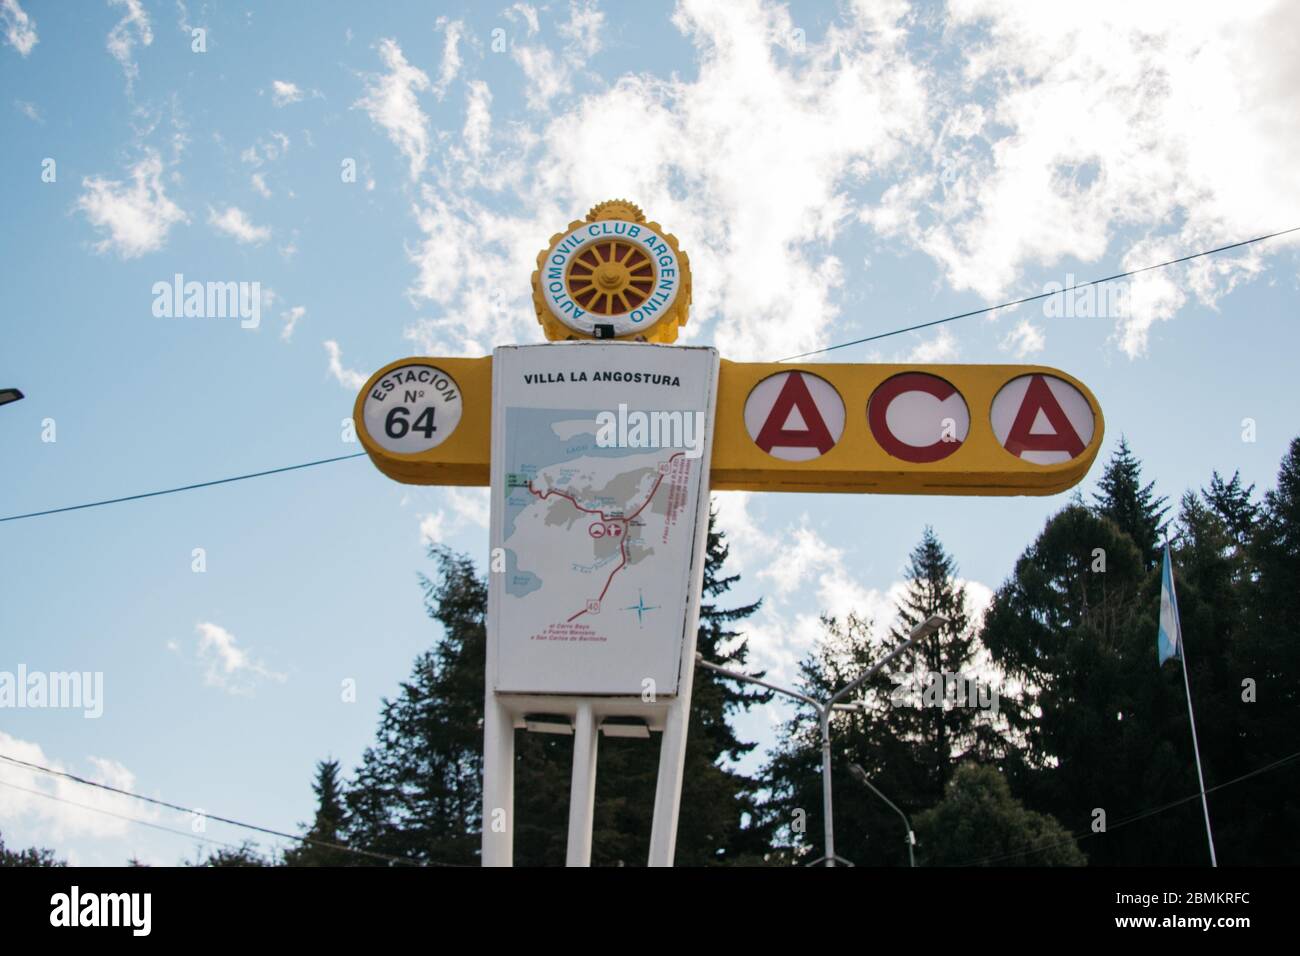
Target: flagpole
1191	717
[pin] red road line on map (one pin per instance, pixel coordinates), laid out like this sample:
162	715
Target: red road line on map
622	544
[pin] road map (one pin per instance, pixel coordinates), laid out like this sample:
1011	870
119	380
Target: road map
596	515
584	526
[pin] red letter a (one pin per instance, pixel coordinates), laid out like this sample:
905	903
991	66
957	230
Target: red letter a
774	434
1039	398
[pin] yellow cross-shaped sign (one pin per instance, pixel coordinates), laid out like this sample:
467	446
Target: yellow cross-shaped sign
893	429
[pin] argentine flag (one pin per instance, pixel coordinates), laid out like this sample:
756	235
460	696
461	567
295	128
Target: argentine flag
1169	641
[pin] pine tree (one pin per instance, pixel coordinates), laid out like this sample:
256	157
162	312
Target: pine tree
910	744
1131	505
712	747
417	793
325	837
944	734
1234	505
1263	686
244	855
1100	727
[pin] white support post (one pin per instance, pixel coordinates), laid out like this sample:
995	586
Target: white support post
582	788
498	783
668	791
672	749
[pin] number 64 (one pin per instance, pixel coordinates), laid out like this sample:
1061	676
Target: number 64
398	422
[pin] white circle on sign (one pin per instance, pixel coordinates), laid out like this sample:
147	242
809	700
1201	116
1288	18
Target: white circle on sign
648	289
918	417
1042	419
794	416
412	408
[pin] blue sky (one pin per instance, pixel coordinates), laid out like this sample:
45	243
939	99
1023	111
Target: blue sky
833	171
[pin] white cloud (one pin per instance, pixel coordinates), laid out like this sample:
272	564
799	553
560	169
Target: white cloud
51	812
478	118
472	505
137	216
291	319
433	527
20	29
1046	138
698	168
941	348
234	222
259	184
468	507
283	93
526	12
1025	339
29	110
744	533
550	73
545	75
350	379
806	576
1112	120
133	28
584	26
266	150
228	666
451	61
391	103
804	553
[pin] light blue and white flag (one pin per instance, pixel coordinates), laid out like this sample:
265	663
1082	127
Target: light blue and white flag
1169	641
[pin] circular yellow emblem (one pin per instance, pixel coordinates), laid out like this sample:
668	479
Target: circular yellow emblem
612	276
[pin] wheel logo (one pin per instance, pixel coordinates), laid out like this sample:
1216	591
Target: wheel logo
613	275
611	278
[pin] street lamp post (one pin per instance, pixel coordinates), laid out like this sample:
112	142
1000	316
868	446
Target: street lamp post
8	395
862	777
824	710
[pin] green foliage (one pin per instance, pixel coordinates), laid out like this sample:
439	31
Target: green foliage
325	837
909	752
246	854
979	822
1234	505
417	794
1100	725
31	856
1088	719
1134	508
1259	821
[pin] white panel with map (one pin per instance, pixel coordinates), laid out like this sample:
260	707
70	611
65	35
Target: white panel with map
600	457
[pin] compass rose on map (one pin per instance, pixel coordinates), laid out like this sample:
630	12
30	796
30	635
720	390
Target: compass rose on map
641	607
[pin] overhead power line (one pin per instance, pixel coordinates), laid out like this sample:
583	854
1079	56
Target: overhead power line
387	858
789	358
172	491
1041	295
120	816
